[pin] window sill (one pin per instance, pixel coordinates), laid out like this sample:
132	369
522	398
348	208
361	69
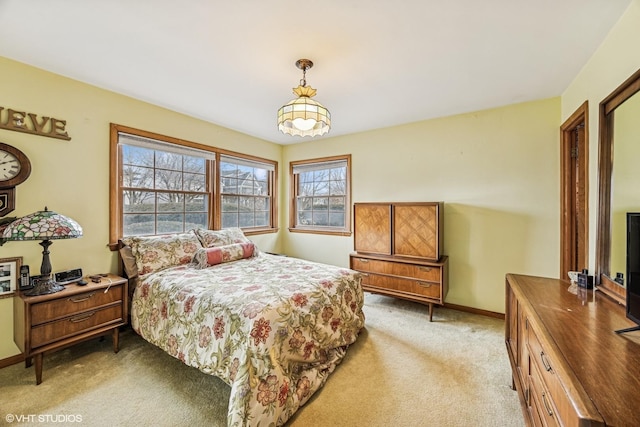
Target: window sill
320	231
254	231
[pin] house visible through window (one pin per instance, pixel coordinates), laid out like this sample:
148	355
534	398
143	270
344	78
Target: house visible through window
244	188
321	189
162	185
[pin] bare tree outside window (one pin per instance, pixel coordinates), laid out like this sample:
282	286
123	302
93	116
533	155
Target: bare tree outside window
321	195
166	185
163	192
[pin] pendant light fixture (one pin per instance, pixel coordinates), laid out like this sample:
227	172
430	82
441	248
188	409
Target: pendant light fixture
303	116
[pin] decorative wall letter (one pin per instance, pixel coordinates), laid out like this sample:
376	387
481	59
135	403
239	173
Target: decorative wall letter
21	121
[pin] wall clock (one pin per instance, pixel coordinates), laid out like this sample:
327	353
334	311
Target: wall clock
15	168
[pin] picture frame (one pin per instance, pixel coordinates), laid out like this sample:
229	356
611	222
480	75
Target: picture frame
9	271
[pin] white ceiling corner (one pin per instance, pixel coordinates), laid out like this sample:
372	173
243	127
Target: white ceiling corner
376	64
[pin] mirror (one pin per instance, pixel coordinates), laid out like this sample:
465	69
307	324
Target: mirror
625	177
617	194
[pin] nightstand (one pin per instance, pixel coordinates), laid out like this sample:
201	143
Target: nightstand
46	323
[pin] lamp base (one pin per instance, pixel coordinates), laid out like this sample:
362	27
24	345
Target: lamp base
44	286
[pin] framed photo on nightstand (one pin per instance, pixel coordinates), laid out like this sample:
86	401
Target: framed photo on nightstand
9	268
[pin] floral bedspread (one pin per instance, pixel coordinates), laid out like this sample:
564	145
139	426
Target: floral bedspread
272	327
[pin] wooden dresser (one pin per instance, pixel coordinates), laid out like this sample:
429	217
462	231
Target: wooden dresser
50	322
569	366
399	250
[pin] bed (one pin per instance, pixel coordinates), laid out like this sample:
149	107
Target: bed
272	327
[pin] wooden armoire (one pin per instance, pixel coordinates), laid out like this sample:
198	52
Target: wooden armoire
398	250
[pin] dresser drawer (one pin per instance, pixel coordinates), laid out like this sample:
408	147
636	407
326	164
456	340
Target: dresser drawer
75	324
62	307
422	272
418	287
543	364
543	410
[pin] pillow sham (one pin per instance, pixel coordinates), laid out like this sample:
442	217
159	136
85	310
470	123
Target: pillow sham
128	261
155	253
206	257
227	236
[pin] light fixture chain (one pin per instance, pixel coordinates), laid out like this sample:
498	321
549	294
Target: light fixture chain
303	82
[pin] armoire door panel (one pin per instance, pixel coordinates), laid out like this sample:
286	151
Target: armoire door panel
416	231
373	228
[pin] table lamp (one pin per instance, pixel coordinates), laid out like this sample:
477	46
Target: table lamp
46	226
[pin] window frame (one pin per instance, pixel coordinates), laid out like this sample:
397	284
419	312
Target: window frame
116	218
251	162
294	186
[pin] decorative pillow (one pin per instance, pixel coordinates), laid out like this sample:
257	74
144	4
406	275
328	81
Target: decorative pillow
155	253
206	257
129	262
227	236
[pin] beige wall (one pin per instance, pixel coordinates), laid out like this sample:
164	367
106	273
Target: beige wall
617	58
72	177
497	172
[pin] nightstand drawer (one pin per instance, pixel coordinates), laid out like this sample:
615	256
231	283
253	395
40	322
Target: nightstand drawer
419	287
62	307
422	272
75	324
48	322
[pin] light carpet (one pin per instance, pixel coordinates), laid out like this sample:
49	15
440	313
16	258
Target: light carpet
402	371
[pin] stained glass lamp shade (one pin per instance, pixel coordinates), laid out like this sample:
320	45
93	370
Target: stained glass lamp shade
46	226
304	116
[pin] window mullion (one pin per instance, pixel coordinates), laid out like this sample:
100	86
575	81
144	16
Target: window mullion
212	192
154	163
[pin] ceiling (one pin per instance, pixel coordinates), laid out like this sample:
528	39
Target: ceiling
377	63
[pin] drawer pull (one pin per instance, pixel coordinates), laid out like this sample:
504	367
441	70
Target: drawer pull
72	299
82	318
363	260
425	269
545	362
546	404
425	284
364	274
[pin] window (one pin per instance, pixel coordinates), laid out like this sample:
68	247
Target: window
162	185
164	188
245	192
321	190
